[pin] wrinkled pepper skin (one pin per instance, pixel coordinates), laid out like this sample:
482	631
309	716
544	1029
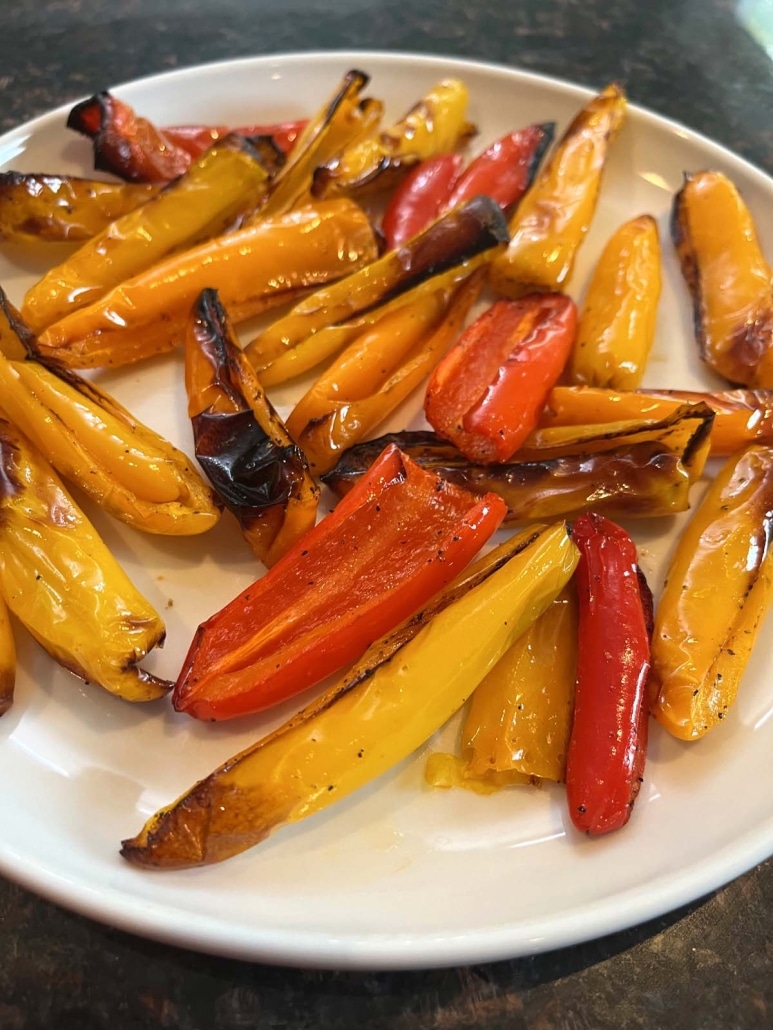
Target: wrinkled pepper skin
240	441
617	322
486	393
520	717
552	220
392	543
436	124
718	588
741	417
729	280
404	688
453	246
7	659
252	269
639	469
608	744
224	183
63	208
378	371
63	584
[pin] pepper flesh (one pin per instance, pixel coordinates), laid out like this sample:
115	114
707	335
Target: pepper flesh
552	220
383	552
434	125
741	417
420	198
486	394
608	745
617	322
643	469
63	208
378	371
252	269
718	588
61	581
225	182
240	441
730	282
400	692
7	659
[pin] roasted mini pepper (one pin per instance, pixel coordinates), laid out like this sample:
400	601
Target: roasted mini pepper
718	588
729	279
643	469
7	658
58	208
225	182
552	220
486	394
420	198
378	371
397	695
608	744
741	417
617	322
392	543
240	441
321	324
63	584
252	268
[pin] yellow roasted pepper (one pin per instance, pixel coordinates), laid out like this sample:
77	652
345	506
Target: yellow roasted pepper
63	584
226	181
251	269
7	659
730	281
552	220
617	321
402	690
718	588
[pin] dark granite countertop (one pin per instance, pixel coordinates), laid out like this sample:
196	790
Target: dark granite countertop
709	966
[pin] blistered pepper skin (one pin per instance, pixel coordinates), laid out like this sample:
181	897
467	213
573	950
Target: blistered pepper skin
719	587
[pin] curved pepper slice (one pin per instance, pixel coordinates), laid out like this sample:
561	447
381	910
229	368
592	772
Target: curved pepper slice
741	417
729	279
240	441
718	589
394	541
617	322
552	220
608	745
60	580
401	691
486	394
7	659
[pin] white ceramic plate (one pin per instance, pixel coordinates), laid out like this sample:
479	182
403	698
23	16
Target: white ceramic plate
398	875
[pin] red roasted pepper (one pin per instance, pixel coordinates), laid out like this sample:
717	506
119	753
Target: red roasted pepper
195	139
608	745
503	172
488	392
397	538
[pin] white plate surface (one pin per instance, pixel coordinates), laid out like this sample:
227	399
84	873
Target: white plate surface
398	875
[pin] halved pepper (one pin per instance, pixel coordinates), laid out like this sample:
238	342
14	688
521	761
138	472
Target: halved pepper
741	417
552	220
456	244
718	588
378	371
393	542
608	744
729	279
241	443
642	469
434	125
252	269
486	394
224	183
63	208
617	322
60	580
398	694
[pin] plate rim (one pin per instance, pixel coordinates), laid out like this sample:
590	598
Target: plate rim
355	951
